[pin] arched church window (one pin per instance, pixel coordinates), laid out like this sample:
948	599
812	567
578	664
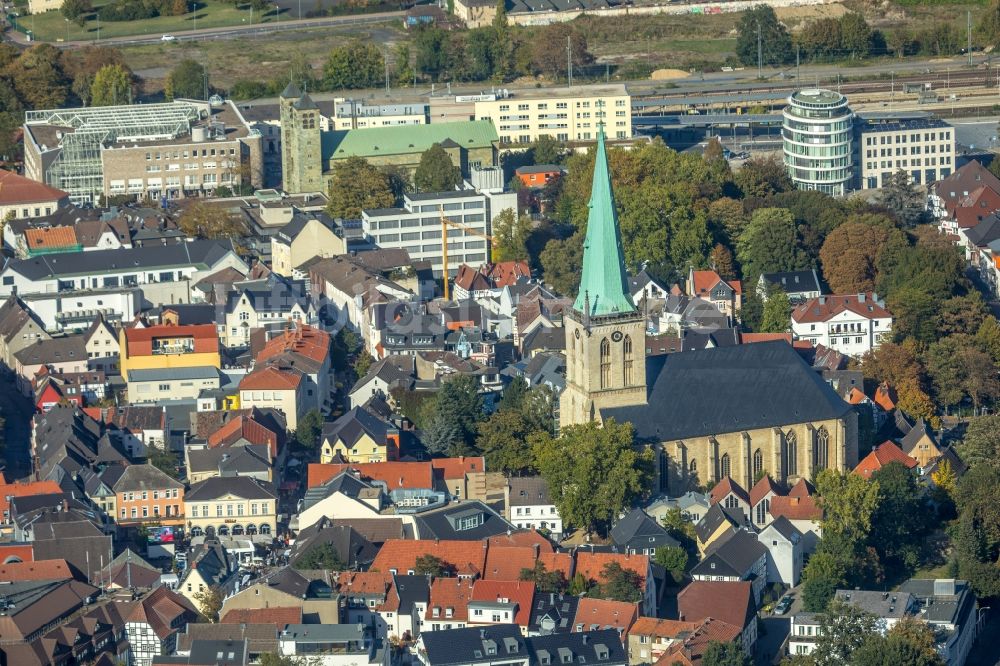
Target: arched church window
605	363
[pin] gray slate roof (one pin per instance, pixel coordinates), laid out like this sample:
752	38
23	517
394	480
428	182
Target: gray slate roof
729	389
200	253
240	486
442	523
638	531
144	477
734	555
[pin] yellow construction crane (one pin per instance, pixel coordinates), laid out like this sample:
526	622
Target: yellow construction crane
445	223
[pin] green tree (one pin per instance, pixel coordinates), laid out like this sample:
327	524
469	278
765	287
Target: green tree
674	559
547	150
718	653
322	556
902	197
209	602
442	433
187	80
593	472
899	521
844	628
848	502
548	50
821	577
436	172
432	565
505	441
769	244
981	445
988	335
112	85
855	36
721	261
777	317
202	220
961	314
163	460
620	584
38	77
976	533
503	44
309	429
362	363
74	9
913	311
357	185
355	64
510	236
760	25
562	261
728	218
544	580
909	641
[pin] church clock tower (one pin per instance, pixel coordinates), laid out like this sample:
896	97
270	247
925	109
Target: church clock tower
605	332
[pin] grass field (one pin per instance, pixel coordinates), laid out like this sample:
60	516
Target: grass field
52	26
261	57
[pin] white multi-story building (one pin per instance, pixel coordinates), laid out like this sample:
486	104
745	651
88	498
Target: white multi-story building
566	114
417	227
530	507
852	324
356	114
818	140
924	148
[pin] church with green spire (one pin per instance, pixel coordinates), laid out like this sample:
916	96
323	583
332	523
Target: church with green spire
605	332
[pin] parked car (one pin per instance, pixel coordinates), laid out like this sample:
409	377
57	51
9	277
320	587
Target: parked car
167	38
783	605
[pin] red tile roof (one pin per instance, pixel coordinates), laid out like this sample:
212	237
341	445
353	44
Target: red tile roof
522	538
749	338
705	281
364	582
885	397
604	614
39	238
506	563
762	488
558	562
691	648
305	340
245	427
729	601
271	378
395	474
457	468
162	609
470	279
724	488
449	593
802	488
139	341
507	273
591	565
37	570
278	616
402	554
795	508
15	189
654	626
856	396
8	490
825	308
518	592
974	208
882	455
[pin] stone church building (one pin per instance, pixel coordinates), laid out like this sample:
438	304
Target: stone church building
738	411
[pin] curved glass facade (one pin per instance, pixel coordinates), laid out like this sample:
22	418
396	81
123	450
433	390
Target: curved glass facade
817	136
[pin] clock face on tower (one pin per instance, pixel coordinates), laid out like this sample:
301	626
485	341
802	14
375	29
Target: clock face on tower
577	332
616	336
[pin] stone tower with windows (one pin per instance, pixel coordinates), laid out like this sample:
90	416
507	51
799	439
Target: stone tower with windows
605	332
301	155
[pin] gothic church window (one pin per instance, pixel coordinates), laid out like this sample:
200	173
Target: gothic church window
792	453
726	466
629	358
758	463
821	447
605	363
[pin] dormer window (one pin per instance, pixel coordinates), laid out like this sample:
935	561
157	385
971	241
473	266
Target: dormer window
436	612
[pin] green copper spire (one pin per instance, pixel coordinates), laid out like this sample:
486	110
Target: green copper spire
603	286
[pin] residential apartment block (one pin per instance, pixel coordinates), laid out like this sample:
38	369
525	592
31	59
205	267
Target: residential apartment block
569	114
357	114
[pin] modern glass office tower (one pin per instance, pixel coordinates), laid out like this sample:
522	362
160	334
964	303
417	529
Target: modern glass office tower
817	136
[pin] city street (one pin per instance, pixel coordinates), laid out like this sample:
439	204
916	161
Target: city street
17	411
